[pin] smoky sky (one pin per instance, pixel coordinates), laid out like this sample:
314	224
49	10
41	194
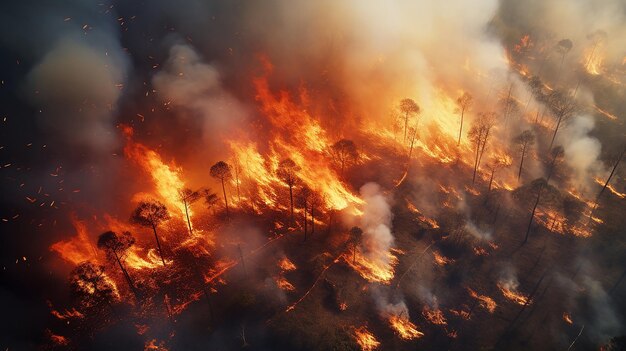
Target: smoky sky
73	71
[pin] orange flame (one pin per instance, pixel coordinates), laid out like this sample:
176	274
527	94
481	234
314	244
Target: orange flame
365	339
404	328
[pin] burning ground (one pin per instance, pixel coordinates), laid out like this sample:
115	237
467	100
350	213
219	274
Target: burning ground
312	176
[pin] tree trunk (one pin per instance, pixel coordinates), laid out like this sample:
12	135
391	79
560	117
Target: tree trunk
225	199
126	275
312	221
461	129
406	124
556	129
493	171
187	215
476	163
532	215
158	244
519	174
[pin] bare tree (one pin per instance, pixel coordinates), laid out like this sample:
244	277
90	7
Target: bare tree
150	214
540	184
497	162
563	107
524	140
315	204
221	171
509	105
288	172
115	246
356	234
608	180
479	135
464	102
409	108
237	170
89	286
344	153
187	197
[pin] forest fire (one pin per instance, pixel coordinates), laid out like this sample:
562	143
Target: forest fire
404	328
511	293
365	339
229	175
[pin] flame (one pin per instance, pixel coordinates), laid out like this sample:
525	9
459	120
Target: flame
152	260
404	328
430	221
167	178
611	188
286	265
441	260
77	249
73	313
485	301
284	284
435	316
567	318
594	60
512	294
365	339
373	270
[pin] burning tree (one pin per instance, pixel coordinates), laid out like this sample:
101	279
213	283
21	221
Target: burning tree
563	47
563	107
115	246
479	135
497	162
509	105
409	108
150	214
221	171
524	140
464	102
344	153
287	171
187	197
91	287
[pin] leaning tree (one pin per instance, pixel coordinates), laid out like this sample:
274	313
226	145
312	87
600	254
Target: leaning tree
115	246
150	214
187	197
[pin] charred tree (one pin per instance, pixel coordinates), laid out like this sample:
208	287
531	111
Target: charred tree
287	172
408	107
187	197
524	140
463	102
115	246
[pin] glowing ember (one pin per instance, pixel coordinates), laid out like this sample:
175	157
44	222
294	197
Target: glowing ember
365	339
611	188
567	318
404	328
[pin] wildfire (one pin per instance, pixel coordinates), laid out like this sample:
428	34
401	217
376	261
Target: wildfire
485	301
435	316
365	339
167	179
594	61
284	284
512	294
373	270
567	318
404	328
441	260
430	221
286	265
611	188
77	249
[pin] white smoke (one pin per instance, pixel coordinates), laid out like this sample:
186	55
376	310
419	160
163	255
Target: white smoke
581	152
376	224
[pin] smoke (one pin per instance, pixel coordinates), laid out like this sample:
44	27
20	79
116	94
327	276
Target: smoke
376	224
582	152
196	89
